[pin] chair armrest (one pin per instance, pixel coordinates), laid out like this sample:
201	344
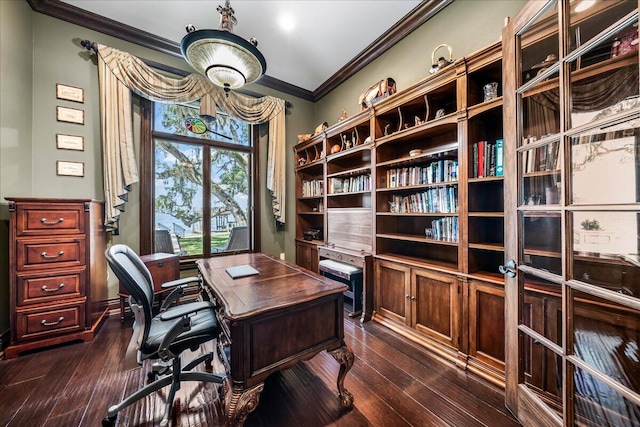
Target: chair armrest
182	325
182	310
178	286
180	282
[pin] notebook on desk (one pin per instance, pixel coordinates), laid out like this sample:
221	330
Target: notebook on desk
241	271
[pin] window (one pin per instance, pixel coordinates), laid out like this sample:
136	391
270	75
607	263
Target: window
197	182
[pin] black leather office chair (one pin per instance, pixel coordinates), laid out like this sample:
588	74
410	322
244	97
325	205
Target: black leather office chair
164	336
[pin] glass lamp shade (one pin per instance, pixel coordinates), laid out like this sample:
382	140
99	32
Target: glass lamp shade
227	60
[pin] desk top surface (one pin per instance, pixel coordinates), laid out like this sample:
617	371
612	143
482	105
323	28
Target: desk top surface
278	284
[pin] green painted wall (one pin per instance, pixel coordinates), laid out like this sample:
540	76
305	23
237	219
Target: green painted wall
465	25
16	97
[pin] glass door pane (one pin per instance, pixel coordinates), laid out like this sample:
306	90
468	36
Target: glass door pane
178	198
230	201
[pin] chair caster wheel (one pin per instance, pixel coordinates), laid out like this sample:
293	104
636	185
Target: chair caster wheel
151	376
109	421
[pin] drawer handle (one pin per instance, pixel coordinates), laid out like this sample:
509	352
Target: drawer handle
44	288
44	255
45	222
45	323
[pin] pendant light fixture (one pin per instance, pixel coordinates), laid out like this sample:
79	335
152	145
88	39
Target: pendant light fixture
228	60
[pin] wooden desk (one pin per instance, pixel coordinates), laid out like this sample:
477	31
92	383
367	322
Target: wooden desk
269	322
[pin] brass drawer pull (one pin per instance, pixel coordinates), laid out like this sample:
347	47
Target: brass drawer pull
44	255
45	222
44	288
44	322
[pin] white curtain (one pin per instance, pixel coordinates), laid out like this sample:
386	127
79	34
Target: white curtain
120	72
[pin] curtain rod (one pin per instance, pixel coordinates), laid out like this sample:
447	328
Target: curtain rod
93	46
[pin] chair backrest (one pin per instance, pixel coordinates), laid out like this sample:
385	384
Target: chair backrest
135	277
163	242
238	239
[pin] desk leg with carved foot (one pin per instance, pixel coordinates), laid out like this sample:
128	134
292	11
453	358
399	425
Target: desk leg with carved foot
345	358
239	403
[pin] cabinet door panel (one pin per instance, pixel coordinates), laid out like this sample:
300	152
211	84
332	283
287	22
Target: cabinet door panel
486	323
436	310
392	291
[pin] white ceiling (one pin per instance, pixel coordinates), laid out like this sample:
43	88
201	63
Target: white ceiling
326	34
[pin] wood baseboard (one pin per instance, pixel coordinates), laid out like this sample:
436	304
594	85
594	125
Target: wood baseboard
4	342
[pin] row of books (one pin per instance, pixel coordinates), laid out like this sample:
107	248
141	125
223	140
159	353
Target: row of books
487	159
350	184
434	200
540	159
314	188
435	172
443	229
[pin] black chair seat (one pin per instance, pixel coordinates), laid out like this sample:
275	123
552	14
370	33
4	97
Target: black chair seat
203	325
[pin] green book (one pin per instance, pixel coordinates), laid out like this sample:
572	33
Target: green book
499	157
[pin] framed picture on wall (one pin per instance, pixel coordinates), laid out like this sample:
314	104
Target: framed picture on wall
69	93
65	168
69	142
70	115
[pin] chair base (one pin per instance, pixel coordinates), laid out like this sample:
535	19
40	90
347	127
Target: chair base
177	376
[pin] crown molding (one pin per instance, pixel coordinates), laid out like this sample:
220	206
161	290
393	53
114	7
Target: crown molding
92	21
418	16
412	20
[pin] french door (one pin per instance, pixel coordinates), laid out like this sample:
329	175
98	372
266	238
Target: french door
572	200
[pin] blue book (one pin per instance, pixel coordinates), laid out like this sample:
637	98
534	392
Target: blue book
499	157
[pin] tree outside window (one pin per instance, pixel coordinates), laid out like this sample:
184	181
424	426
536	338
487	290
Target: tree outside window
202	187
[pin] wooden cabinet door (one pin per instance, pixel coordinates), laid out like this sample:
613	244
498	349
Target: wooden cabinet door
435	301
392	291
307	256
486	323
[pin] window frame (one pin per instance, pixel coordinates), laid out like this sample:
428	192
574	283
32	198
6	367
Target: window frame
147	178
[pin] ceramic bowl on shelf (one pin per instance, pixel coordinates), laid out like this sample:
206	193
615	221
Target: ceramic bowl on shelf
414	153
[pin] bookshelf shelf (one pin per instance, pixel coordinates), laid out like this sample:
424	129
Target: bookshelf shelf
416	187
348	193
351	172
487	246
495	103
486	214
415	214
485	179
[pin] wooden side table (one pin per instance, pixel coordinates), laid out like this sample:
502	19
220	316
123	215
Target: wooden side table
163	268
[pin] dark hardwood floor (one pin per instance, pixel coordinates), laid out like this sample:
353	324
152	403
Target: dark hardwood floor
394	382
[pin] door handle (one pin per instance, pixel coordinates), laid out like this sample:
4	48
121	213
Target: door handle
509	269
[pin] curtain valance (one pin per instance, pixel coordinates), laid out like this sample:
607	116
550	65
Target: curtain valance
120	72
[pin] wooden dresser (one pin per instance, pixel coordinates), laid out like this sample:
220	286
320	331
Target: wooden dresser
58	272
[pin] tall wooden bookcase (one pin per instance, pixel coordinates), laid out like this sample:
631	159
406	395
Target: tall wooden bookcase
436	227
310	200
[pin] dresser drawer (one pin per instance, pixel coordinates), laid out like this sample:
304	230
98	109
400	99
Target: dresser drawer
38	323
32	219
58	253
36	289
